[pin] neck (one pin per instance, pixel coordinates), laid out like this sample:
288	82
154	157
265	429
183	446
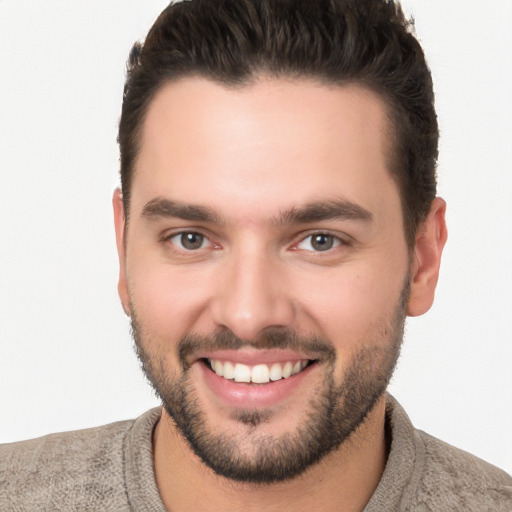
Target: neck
343	481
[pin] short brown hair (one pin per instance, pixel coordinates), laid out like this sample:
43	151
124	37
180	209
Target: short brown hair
369	42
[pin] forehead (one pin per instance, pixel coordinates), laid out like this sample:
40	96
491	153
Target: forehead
272	143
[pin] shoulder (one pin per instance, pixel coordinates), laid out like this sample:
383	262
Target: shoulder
63	470
424	474
451	479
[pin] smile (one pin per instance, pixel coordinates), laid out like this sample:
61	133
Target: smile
257	374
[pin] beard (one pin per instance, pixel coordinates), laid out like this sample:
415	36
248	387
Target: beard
334	412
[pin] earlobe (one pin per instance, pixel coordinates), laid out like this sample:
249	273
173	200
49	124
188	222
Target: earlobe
120	227
430	240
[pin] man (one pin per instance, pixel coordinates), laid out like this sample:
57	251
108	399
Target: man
277	221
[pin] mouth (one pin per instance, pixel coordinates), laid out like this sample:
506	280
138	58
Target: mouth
256	374
254	378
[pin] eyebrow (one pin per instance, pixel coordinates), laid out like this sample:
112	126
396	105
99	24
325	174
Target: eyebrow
324	210
161	208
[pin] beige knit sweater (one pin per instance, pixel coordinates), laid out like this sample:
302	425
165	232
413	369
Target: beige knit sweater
110	468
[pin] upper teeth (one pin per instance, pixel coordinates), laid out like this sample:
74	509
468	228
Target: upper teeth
259	374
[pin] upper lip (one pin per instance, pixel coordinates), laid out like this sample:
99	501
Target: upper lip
253	357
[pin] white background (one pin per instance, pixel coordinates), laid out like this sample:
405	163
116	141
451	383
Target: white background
65	352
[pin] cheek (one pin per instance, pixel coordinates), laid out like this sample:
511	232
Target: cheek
353	307
166	298
358	316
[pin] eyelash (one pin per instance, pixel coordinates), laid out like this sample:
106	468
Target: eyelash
168	238
336	241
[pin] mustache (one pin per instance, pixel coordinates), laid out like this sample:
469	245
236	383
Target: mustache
317	348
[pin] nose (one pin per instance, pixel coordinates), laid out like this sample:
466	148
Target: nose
252	295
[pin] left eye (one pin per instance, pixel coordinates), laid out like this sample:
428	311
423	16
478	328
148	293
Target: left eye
319	242
190	241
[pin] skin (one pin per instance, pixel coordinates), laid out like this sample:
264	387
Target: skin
250	154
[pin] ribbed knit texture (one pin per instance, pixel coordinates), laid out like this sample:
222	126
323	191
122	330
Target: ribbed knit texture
110	468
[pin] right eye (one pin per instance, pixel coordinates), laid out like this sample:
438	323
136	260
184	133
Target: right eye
189	241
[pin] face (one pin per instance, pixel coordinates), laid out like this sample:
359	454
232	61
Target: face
265	268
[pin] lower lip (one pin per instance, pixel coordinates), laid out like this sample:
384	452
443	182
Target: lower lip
248	395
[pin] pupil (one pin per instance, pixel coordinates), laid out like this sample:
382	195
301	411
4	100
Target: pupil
191	240
322	242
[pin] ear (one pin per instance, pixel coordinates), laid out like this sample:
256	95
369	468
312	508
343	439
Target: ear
430	239
120	225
